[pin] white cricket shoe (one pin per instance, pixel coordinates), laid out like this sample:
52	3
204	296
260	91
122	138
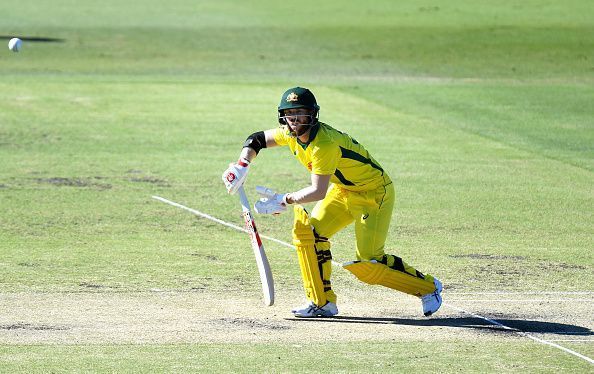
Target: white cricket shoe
432	301
312	310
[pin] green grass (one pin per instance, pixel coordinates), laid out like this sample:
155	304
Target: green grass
242	42
355	357
481	113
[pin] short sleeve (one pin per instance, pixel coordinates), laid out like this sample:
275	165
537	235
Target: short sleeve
280	136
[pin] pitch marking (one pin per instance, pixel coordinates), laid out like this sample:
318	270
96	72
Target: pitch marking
204	215
523	300
524	293
521	333
572	340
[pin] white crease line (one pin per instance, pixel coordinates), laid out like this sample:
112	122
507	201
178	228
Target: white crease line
572	340
524	293
336	263
522	333
522	300
204	215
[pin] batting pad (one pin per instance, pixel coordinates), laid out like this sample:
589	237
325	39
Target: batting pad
372	272
304	241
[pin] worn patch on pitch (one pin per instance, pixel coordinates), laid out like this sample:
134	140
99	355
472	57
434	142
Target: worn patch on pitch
102	316
91	285
152	180
31	326
254	323
73	182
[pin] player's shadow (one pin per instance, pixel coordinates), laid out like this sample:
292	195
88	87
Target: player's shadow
41	39
513	325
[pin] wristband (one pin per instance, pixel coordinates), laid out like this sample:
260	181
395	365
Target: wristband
243	162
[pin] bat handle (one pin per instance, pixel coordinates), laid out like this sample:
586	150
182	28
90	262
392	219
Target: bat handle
245	204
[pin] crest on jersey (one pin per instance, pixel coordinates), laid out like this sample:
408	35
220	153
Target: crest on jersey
292	97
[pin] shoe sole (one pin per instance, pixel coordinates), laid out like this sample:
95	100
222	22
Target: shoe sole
439	289
317	312
314	315
317	316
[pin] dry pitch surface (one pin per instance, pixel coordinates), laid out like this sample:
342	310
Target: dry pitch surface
199	317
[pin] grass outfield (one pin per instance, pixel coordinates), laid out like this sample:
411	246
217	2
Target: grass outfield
481	113
356	357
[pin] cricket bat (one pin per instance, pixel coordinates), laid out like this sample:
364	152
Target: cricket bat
261	259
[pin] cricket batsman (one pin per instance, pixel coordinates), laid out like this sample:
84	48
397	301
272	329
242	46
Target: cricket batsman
349	186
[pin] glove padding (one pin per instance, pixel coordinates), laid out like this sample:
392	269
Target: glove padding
271	202
235	176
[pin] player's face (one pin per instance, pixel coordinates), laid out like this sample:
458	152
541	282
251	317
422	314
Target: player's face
301	116
298	121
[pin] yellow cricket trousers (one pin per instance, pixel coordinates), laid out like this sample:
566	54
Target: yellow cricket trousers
370	210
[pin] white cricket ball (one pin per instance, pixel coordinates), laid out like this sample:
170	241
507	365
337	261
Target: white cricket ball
15	44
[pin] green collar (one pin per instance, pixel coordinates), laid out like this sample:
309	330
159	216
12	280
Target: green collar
312	135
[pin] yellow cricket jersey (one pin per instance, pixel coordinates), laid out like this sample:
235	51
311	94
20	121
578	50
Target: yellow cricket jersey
331	152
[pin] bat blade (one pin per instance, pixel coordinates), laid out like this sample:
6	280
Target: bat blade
259	253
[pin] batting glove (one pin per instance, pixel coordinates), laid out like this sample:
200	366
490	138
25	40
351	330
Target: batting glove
271	202
235	176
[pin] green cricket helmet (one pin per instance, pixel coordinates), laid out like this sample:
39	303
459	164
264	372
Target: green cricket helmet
296	98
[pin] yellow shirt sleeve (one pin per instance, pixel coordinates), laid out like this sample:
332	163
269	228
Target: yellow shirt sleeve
324	158
280	136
